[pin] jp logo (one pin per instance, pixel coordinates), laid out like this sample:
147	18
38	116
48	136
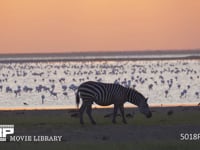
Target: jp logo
6	130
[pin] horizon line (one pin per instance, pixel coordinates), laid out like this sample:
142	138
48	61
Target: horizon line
106	51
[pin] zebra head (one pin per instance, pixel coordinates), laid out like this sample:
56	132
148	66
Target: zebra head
138	99
144	108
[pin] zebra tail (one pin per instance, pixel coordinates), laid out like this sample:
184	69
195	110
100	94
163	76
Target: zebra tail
77	99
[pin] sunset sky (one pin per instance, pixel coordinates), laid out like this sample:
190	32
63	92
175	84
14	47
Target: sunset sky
32	26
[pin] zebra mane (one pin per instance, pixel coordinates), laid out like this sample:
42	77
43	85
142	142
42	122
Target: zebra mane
139	94
132	93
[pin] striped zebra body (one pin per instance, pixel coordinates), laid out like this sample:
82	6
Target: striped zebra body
106	94
101	93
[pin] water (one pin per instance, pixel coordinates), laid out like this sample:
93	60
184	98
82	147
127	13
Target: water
28	83
135	55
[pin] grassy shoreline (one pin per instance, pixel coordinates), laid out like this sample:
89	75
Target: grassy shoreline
51	108
161	131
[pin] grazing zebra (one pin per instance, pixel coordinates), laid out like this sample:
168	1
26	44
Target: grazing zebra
106	94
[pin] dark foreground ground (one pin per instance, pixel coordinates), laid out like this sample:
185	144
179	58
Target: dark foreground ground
164	130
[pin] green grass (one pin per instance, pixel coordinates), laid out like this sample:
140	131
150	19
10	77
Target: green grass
65	122
138	120
105	146
159	118
163	119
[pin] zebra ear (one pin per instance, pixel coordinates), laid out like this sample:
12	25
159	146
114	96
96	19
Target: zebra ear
146	99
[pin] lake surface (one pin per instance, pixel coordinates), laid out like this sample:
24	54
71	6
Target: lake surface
31	83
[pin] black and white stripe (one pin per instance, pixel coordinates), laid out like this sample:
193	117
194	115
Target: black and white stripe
106	94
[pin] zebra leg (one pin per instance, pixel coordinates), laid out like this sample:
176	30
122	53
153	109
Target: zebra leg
89	112
121	107
81	110
115	113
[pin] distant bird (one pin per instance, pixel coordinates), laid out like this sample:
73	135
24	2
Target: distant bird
62	80
1	87
66	95
170	112
197	94
8	89
25	103
52	93
150	87
64	87
184	92
166	93
43	97
73	87
134	86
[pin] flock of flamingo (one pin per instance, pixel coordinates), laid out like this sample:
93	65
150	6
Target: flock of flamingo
54	83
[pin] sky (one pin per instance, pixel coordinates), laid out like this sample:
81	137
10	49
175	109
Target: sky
45	26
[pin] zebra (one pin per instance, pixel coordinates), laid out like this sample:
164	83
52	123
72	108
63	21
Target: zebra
105	94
